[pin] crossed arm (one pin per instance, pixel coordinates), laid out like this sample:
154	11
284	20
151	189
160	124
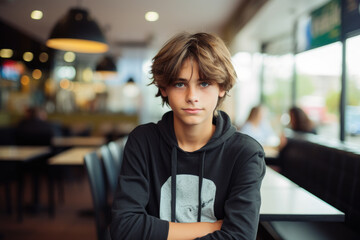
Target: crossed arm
192	230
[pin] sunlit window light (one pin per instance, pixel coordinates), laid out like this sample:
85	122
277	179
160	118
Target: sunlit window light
151	16
36	14
326	60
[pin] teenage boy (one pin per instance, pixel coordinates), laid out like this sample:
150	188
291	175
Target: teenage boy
191	175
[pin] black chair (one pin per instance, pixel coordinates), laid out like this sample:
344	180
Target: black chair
111	168
97	184
116	149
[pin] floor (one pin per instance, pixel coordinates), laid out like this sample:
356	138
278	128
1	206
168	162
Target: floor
69	221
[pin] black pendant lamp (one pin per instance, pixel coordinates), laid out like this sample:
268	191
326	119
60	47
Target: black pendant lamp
106	64
106	67
77	32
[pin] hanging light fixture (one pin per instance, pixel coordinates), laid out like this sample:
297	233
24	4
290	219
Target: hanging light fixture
106	67
77	32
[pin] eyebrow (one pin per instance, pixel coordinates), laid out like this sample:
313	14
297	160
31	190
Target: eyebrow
181	80
185	80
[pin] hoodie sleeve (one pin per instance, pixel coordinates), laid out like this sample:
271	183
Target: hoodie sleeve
242	206
130	219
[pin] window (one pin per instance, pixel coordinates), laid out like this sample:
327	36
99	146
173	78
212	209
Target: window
318	87
278	75
352	110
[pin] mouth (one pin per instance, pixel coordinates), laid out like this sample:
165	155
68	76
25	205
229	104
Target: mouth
192	110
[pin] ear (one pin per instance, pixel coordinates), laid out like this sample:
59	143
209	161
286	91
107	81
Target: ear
163	92
222	93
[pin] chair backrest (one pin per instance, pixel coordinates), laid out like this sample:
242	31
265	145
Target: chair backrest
116	148
98	191
111	168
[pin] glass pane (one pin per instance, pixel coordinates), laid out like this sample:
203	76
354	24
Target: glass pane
352	114
246	90
318	87
278	71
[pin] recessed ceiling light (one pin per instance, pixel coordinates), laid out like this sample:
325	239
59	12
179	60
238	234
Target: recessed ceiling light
36	14
151	16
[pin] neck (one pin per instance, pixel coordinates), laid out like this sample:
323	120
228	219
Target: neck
192	138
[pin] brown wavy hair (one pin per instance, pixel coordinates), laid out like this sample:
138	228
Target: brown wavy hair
300	121
208	50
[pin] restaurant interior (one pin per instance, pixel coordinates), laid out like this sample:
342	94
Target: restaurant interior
82	69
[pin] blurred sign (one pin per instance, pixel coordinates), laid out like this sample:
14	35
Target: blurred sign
11	70
351	16
321	27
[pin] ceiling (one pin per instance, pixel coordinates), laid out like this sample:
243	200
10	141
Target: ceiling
123	23
274	22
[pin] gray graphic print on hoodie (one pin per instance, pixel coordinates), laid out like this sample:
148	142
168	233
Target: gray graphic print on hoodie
158	177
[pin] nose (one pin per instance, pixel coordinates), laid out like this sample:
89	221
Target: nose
192	94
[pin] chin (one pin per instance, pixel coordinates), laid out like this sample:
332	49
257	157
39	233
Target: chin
193	120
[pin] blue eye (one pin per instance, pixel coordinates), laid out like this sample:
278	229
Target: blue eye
179	84
204	84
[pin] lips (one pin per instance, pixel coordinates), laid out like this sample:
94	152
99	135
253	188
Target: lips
192	110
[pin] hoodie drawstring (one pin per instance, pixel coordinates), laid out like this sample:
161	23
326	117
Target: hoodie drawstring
173	183
201	176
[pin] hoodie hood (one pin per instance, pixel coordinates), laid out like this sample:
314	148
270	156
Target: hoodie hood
223	131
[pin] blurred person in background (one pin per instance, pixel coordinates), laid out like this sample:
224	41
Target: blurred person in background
35	129
259	128
300	122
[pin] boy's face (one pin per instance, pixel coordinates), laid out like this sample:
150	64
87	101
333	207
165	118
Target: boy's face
193	100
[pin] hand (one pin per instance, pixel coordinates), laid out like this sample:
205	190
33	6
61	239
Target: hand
192	230
218	225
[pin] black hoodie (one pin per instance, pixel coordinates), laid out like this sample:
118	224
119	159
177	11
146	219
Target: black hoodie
158	177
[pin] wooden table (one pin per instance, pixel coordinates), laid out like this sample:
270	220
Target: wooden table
22	153
283	200
78	141
12	160
73	157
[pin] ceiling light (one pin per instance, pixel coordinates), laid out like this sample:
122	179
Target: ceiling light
77	32
106	67
28	56
25	80
36	14
43	57
36	74
87	74
151	16
65	83
69	57
6	53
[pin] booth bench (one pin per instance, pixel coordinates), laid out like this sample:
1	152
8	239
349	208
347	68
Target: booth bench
329	170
